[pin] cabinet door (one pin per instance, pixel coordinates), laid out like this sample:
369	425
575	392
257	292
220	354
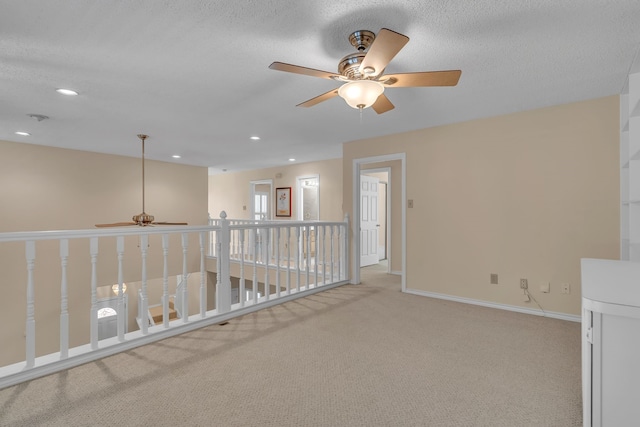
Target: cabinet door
620	373
587	362
615	372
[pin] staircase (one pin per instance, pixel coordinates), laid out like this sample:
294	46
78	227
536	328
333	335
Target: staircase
155	313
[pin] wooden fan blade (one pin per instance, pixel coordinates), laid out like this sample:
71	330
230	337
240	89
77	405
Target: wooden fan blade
116	224
318	99
289	68
382	104
427	78
169	223
385	46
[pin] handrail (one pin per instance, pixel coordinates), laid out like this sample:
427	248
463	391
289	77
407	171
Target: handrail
101	232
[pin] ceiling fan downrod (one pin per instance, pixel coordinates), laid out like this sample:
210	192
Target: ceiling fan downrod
143	218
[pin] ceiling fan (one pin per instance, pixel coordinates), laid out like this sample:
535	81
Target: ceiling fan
361	72
143	219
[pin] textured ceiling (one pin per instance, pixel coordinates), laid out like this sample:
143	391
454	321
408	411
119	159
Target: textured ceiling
193	74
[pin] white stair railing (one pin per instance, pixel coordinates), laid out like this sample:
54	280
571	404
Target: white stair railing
99	257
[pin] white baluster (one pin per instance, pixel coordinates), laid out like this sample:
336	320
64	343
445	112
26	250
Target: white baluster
236	237
218	270
212	251
185	293
93	321
223	300
288	260
278	262
332	229
120	252
324	254
212	243
144	245
316	254
165	280
30	252
307	258
255	266
267	289
242	282
341	248
344	248
64	300
298	258
203	287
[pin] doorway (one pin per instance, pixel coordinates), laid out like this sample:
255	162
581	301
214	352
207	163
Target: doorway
260	199
108	317
308	190
358	167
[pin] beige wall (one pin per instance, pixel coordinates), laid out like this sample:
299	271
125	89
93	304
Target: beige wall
230	191
524	195
46	188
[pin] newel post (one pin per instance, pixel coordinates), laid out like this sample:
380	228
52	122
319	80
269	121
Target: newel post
344	242
223	291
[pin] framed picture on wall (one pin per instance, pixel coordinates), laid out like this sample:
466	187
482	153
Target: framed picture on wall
283	201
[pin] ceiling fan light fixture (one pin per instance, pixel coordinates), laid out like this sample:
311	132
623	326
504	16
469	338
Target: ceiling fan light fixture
68	92
361	93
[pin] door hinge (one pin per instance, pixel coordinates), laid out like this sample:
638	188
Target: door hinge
590	335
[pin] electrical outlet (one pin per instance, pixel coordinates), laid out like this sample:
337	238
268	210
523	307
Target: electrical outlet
566	288
524	284
410	203
493	279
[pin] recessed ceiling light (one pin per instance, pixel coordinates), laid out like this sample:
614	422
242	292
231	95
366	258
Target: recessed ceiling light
255	138
292	160
68	92
176	156
23	133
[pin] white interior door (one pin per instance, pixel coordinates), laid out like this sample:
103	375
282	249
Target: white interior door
368	220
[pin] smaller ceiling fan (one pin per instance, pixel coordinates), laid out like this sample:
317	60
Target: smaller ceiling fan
362	72
143	219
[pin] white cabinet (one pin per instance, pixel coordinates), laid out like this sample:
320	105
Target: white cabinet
610	343
630	170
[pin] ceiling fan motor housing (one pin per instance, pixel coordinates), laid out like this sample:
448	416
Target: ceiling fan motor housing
143	219
349	66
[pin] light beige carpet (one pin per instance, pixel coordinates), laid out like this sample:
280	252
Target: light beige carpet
364	355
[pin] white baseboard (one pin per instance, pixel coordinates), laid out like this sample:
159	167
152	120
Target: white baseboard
397	273
535	312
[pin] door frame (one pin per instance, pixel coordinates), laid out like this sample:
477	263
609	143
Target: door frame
387	213
355	223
